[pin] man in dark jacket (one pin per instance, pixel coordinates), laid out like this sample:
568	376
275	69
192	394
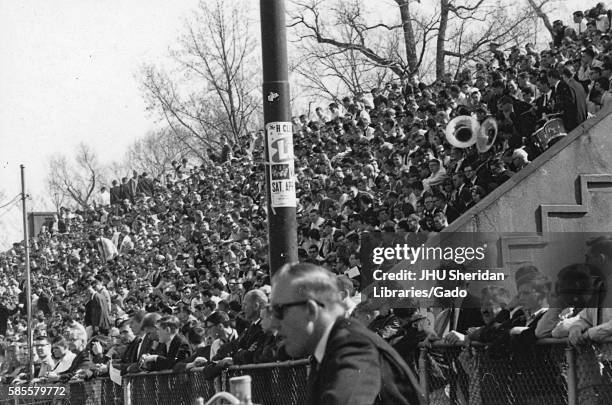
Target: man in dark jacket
97	319
350	364
575	110
115	193
172	348
569	98
251	340
200	350
126	193
5	313
145	185
144	327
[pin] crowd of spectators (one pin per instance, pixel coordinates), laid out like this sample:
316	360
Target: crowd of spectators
171	272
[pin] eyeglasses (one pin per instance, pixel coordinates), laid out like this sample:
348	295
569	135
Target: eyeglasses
278	310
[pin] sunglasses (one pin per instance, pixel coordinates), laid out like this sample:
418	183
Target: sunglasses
278	310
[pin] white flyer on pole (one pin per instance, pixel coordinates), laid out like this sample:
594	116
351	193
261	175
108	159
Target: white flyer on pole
282	169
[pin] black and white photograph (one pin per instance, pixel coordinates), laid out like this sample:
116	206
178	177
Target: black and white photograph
306	202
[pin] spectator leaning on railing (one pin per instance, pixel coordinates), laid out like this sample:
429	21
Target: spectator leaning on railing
172	347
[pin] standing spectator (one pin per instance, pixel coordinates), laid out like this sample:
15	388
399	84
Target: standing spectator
115	193
5	313
103	199
569	98
96	310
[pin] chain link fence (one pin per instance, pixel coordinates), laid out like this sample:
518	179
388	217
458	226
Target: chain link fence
549	373
273	384
163	388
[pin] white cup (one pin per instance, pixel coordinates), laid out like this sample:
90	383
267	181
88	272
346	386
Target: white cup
240	387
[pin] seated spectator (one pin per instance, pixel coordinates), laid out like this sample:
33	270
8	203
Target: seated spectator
595	324
533	292
347	290
172	346
386	324
45	362
15	363
146	341
578	287
459	315
495	311
81	363
365	312
219	328
271	350
242	349
63	357
414	329
196	337
123	341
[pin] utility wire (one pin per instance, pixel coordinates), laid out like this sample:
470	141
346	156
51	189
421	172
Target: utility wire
14	199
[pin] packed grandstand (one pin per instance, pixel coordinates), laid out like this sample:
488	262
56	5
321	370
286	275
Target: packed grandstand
182	258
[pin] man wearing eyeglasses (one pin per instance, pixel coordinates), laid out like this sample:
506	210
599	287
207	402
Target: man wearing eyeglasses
350	365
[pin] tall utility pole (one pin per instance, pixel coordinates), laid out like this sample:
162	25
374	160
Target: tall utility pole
26	243
280	170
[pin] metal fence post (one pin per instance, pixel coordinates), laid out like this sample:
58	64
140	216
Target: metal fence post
572	392
423	374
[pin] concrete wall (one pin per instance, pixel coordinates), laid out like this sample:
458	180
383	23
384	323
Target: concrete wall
544	214
550	193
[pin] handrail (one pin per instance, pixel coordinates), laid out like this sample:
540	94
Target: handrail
475	343
280	364
148	380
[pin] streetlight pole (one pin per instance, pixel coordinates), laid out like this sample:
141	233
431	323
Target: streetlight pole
280	170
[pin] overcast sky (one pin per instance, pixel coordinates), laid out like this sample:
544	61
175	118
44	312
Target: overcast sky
68	74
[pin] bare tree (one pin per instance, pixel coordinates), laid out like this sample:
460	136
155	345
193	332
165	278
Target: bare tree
75	181
155	152
330	71
357	34
467	26
542	8
212	93
336	31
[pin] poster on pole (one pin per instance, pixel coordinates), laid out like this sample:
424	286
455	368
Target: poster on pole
282	169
